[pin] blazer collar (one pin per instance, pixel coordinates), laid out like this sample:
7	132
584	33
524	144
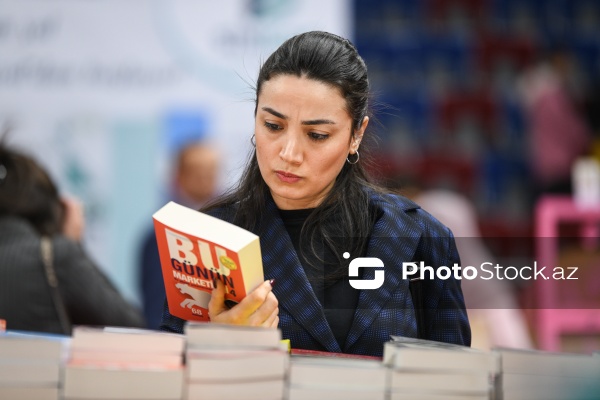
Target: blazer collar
292	288
394	240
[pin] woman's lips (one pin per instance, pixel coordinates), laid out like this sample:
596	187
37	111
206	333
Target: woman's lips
287	177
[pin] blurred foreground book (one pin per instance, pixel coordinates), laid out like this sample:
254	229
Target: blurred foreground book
31	365
530	374
124	363
234	362
427	370
336	377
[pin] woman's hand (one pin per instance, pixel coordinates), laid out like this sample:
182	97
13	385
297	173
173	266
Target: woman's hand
74	221
258	308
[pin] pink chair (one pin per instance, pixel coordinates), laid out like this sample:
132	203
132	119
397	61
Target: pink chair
565	306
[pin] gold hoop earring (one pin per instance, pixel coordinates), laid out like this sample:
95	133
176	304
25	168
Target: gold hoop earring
253	140
355	161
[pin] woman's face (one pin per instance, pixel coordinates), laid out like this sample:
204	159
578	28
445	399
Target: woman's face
303	136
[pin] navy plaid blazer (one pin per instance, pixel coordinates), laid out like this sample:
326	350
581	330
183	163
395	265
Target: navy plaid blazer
403	232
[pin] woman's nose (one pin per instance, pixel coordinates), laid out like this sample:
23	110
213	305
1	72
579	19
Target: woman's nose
291	150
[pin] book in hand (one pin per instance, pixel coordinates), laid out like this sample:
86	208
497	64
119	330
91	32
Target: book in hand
196	250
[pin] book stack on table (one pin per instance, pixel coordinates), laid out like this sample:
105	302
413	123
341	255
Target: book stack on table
124	363
31	365
234	362
332	376
426	370
530	374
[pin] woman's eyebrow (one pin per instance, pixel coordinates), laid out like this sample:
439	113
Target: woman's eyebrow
321	121
318	122
275	113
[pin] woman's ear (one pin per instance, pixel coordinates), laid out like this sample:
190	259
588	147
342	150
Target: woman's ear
358	135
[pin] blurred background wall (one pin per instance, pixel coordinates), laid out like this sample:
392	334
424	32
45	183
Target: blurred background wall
102	92
449	75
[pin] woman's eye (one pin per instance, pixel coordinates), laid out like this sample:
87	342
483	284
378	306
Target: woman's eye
272	127
317	136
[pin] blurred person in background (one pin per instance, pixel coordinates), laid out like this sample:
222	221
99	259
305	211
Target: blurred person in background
558	133
494	313
194	183
31	209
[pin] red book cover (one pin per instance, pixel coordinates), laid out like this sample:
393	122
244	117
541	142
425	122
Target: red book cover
195	251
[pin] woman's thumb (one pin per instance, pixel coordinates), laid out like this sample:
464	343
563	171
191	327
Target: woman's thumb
216	305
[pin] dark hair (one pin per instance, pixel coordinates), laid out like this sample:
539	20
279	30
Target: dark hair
333	60
27	191
327	58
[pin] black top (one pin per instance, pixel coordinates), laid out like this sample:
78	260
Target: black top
338	298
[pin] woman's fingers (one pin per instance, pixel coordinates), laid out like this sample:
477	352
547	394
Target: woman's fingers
255	300
273	320
216	305
265	313
258	308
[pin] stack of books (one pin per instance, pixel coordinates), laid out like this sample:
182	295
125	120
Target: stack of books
336	376
530	374
31	365
124	363
234	362
427	370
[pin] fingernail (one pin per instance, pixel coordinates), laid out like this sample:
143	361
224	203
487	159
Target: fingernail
272	282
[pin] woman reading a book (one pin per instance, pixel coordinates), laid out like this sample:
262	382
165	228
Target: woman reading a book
307	194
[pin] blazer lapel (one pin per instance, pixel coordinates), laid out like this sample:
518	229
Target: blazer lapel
394	240
292	289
